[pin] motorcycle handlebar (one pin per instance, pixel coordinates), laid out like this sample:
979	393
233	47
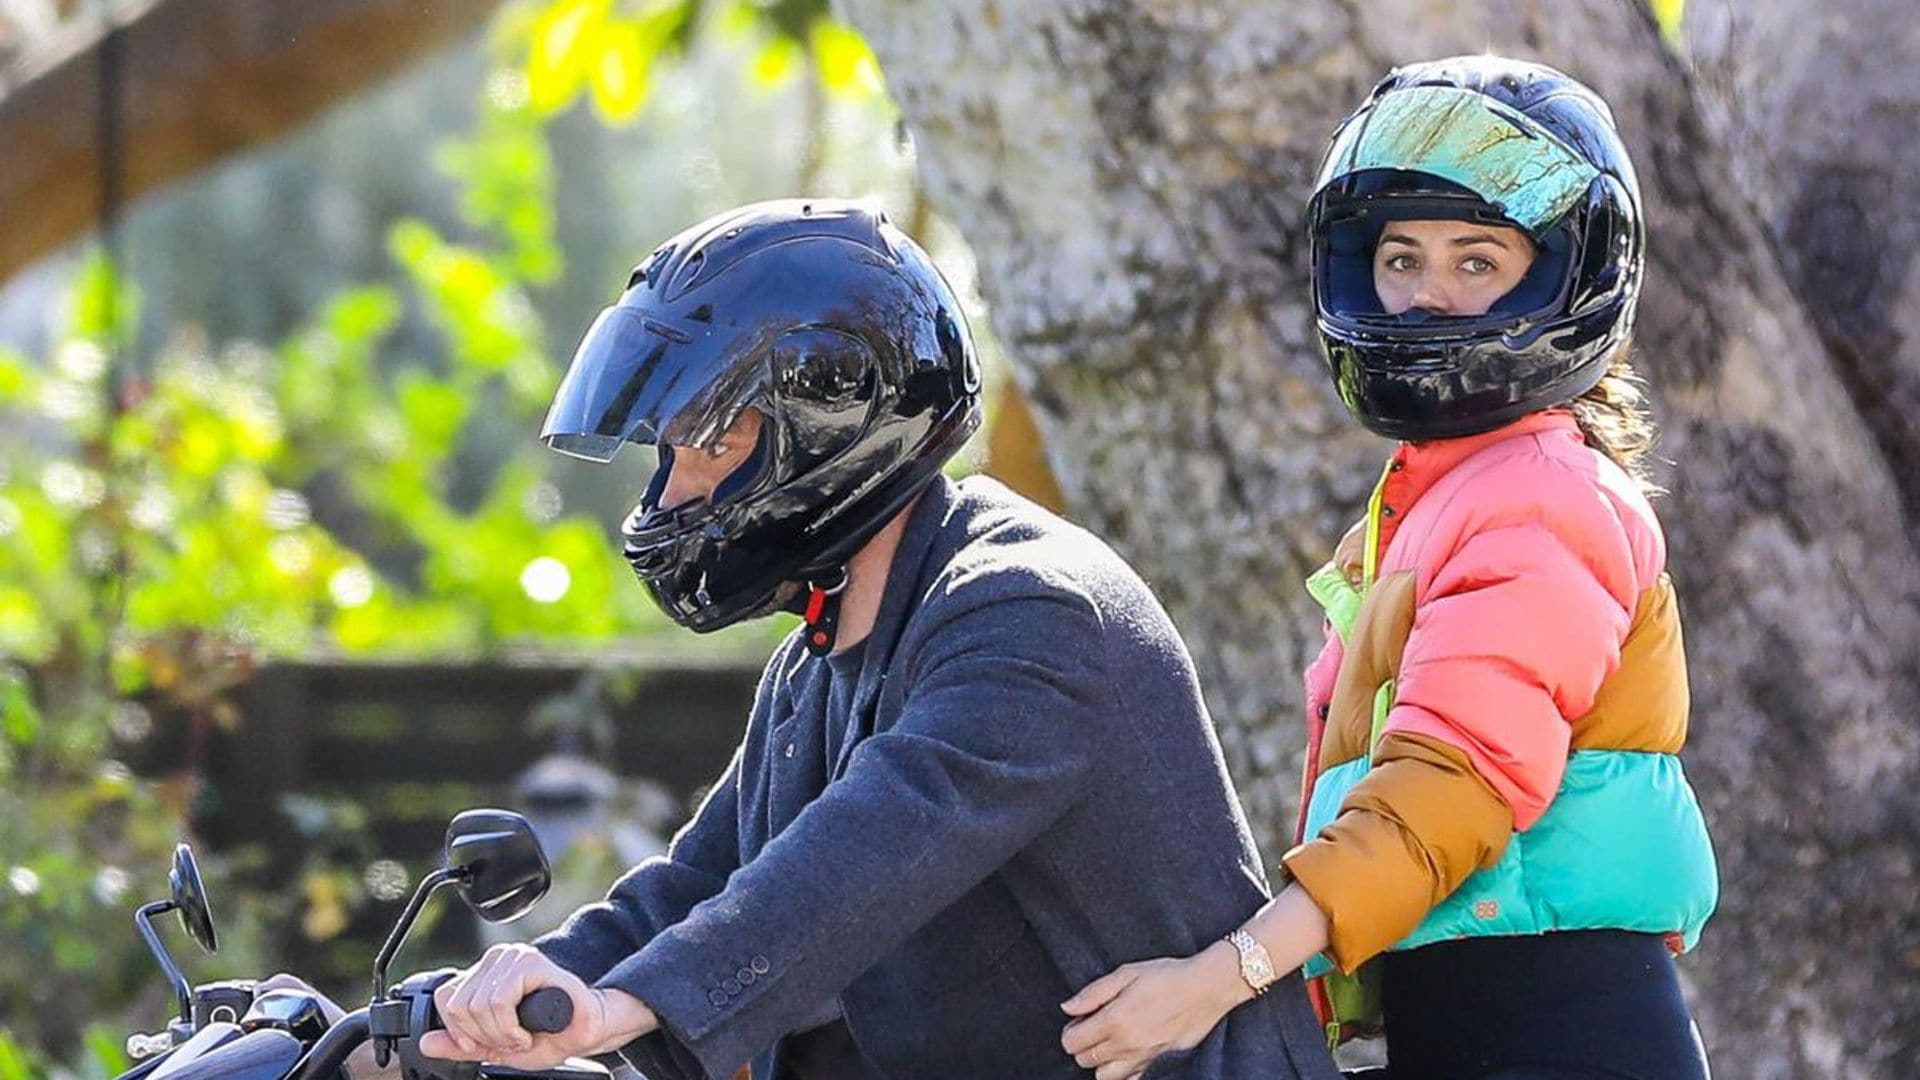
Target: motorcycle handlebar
323	1062
545	1011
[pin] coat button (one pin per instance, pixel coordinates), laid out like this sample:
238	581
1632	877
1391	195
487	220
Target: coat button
760	965
746	976
1386	511
732	987
717	999
1323	709
1396	466
789	750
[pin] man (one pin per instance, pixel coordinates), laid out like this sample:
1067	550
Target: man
978	776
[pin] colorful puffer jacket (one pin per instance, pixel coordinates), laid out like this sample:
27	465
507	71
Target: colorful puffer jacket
1494	721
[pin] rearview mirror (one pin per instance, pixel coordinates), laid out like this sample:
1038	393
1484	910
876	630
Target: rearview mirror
500	868
190	897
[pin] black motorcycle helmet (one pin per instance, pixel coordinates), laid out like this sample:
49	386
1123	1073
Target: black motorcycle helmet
836	326
1479	138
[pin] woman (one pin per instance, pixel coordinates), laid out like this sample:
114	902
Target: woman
1498	851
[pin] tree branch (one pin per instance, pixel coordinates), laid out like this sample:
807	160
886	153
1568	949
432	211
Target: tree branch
199	80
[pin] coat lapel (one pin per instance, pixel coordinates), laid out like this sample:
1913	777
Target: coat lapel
905	585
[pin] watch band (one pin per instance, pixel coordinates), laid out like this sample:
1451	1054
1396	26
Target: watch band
1256	967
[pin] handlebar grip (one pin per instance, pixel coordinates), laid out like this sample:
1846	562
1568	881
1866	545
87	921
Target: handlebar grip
547	1010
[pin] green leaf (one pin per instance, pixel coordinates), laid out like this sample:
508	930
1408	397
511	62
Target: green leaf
18	380
105	307
435	413
106	1051
19	717
363	315
15	1064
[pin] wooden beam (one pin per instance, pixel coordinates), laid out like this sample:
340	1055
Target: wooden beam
198	80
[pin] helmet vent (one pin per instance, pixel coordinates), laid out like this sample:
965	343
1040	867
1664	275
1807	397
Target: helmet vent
701	314
649	271
690	272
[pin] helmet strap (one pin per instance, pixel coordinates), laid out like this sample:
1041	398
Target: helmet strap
823	610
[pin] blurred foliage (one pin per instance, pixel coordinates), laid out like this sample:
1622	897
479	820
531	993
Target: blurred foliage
169	522
160	536
611	50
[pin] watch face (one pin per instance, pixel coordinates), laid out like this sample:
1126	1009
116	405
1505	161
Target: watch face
1256	967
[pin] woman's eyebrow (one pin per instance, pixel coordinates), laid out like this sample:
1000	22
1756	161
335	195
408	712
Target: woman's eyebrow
1481	238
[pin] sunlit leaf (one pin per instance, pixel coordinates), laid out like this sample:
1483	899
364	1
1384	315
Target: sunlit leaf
1668	13
847	66
620	83
105	306
26	634
326	914
776	63
15	1064
564	41
18	380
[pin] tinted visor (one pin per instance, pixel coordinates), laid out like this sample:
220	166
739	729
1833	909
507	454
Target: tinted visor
1509	162
636	378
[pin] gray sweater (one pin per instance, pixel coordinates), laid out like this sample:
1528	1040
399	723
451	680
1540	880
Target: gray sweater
1027	793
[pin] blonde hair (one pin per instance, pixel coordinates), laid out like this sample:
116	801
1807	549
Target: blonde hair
1614	419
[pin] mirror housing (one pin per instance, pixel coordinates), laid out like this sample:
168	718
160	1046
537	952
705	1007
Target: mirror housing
501	870
190	898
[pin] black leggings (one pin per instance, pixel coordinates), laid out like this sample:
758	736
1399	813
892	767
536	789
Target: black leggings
1579	1005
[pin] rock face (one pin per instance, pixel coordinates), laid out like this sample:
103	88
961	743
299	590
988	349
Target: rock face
1132	174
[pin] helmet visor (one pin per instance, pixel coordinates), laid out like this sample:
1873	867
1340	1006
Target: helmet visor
1508	161
637	379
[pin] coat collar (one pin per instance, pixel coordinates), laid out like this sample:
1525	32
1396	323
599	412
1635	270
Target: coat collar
903	577
1417	466
905	586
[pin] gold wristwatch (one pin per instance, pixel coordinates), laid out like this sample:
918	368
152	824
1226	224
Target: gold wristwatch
1256	967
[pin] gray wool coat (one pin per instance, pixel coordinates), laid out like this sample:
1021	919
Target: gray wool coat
1028	793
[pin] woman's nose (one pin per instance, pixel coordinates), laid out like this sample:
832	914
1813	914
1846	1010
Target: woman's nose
1430	295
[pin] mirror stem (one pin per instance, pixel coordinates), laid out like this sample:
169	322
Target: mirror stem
143	920
387	952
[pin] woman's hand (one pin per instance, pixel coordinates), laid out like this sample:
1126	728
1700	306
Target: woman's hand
1137	1012
360	1064
478	1007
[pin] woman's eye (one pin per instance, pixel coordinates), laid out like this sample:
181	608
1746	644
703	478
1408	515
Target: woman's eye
1400	264
1477	265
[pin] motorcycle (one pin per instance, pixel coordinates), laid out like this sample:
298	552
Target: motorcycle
229	1030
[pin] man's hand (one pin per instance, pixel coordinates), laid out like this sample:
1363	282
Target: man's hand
477	1006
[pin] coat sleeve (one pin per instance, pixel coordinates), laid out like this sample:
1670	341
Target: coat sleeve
1513	634
662	890
657	893
991	748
